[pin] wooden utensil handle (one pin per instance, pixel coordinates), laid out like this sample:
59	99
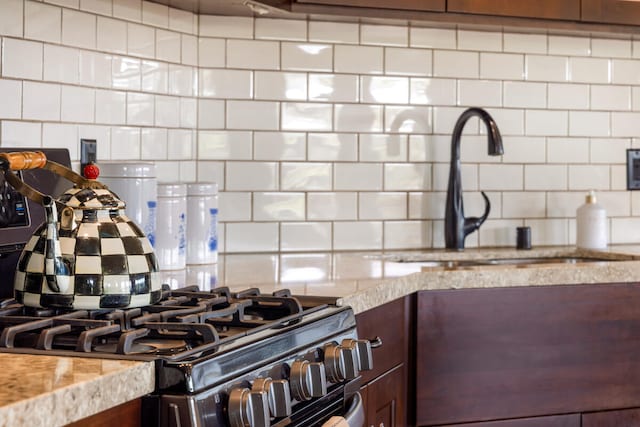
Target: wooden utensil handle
25	159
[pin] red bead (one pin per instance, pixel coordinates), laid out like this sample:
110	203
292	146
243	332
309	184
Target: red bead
91	171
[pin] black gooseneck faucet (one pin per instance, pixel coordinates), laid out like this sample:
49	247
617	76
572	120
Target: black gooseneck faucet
456	226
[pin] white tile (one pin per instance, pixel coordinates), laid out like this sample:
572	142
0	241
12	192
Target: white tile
78	29
432	37
383	148
78	104
181	20
155	77
21	134
386	35
141	40
224	145
359	235
589	70
504	66
378	206
125	143
567	150
40	101
546	68
281	29
568	96
22	59
611	48
625	124
168	46
510	121
589	123
211	52
155	14
126	73
610	98
249	115
252	176
165	109
609	150
278	206
279	146
444	119
525	94
11	18
275	85
435	148
333	87
618	177
235	206
226	26
635	98
332	206
306	176
474	149
95	69
546	123
182	80
111	107
130	10
189	50
625	230
358	59
307	57
433	91
140	109
561	204
225	83
102	135
305	236
61	64
480	40
11	94
545	177
180	144
407	234
549	231
358	176
501	177
188	113
589	177
153	144
408	62
624	71
338	147
358	118
306	116
112	35
524	150
253	54
525	43
487	93
211	114
401	119
565	45
55	135
252	237
42	21
456	64
385	90
427	205
407	176
101	7
334	32
529	204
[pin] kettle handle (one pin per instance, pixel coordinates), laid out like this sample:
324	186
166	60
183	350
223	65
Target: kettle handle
25	159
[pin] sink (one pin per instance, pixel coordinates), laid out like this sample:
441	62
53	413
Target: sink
513	262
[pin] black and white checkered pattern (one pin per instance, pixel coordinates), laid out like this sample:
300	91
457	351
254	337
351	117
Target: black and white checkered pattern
105	262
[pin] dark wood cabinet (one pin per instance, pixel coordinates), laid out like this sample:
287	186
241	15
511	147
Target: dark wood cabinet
570	420
386	399
622	418
125	415
429	5
611	11
544	9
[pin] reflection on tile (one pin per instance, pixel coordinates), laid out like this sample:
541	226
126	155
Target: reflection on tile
307	116
333	87
306	56
280	86
279	146
155	76
385	90
433	91
357	235
224	145
306	176
407	119
225	83
332	206
141	40
111	35
305	236
257	176
278	206
341	147
358	118
95	69
126	73
383	148
181	80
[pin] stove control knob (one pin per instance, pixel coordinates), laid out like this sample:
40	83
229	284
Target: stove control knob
307	380
363	350
248	408
341	362
278	395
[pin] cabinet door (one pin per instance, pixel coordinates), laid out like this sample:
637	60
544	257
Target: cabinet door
571	420
386	398
545	9
611	11
626	417
429	5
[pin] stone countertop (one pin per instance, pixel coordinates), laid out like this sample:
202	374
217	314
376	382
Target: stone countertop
51	391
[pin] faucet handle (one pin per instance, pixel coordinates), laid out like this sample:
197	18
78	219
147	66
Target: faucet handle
472	223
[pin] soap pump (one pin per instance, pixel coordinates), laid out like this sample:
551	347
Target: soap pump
591	224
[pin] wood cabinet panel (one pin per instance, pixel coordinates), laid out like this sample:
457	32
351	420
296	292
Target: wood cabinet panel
386	398
430	5
626	417
611	11
490	354
545	9
571	420
125	415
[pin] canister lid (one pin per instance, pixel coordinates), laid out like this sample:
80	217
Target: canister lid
202	189
172	189
127	170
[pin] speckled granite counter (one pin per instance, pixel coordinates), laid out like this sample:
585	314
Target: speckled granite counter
51	391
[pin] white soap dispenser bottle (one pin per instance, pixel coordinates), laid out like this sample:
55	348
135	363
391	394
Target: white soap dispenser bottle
591	224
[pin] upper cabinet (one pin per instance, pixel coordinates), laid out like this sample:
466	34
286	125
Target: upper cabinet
543	9
426	5
611	11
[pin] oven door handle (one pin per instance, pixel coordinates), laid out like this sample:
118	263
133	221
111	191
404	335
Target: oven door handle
353	417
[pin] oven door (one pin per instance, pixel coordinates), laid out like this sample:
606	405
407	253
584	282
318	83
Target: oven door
353	417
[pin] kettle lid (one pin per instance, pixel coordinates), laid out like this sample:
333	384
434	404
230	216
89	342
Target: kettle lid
91	198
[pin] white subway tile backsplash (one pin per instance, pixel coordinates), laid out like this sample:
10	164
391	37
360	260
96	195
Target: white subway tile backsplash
130	10
589	70
211	52
567	150
334	32
275	85
358	59
407	234
260	115
95	69
61	64
189	50
357	235
141	40
358	176
611	48
21	59
252	176
168	46
383	148
140	109
155	14
55	135
407	119
525	94
546	68
358	118
496	233
611	98
180	145
333	147
235	206
306	57
524	150
225	83
278	206
153	143
510	121
181	80
456	64
479	40
530	204
126	73
277	146
78	29
78	104
385	35
342	206
433	91
224	145
617	203
281	29
305	236
568	96
562	204
165	111
549	231
298	116
589	177
499	177
625	71
545	177
427	205
379	206
233	27
11	94
438	38
408	62
40	101
11	18
486	93
211	114
155	77
102	135
618	177
333	87
625	230
253	54
111	35
546	123
385	90
188	113
635	98
525	43
589	123
252	237
42	21
181	20
101	7
434	148
566	45
21	134
125	143
504	66
625	124
407	176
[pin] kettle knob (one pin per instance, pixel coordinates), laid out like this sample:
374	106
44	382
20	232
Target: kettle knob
91	171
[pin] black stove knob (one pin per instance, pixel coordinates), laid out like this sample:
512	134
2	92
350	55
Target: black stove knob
341	363
248	408
278	395
363	351
307	380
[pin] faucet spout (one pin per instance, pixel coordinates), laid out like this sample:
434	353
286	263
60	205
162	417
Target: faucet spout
456	226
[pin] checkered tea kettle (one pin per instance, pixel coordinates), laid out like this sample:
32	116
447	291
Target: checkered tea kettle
87	254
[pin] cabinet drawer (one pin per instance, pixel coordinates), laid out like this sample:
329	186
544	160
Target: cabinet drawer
389	322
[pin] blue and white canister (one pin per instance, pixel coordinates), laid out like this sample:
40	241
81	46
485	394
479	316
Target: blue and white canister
171	218
202	223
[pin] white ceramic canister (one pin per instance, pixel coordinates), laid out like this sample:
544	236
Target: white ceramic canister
171	244
204	276
136	185
202	223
